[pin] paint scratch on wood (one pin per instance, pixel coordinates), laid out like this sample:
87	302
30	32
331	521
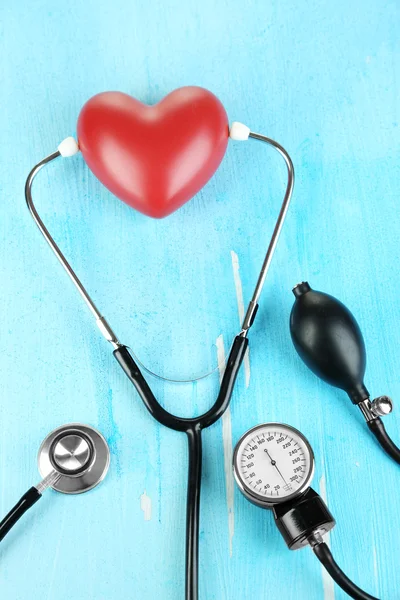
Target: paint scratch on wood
228	451
240	303
145	505
327	582
375	563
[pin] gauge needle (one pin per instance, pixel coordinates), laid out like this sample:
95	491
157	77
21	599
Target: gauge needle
273	463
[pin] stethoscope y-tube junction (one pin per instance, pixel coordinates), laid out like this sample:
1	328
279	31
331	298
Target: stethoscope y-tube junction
192	427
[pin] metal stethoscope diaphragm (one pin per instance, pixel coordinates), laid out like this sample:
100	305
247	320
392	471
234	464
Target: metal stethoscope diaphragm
72	459
80	456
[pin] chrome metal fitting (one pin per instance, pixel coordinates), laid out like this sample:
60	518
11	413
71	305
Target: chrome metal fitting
380	407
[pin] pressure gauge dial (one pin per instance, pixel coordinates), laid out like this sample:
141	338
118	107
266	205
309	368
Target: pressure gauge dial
273	463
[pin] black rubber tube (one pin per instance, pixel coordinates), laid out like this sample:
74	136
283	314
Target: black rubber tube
379	431
324	555
193	513
192	427
23	504
132	371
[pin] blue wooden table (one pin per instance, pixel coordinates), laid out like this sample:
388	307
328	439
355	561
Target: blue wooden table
323	79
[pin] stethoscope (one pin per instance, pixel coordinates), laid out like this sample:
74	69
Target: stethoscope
191	426
72	459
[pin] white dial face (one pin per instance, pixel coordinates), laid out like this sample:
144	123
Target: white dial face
273	462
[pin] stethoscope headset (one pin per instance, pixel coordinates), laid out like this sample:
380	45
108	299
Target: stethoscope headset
303	518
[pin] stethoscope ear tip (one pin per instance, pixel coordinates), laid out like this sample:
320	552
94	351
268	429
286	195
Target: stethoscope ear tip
78	453
239	132
68	147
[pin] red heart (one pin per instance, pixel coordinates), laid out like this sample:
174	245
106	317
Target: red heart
154	158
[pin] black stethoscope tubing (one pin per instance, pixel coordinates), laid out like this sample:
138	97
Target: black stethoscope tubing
191	426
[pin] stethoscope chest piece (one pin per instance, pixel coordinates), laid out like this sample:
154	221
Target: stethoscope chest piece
80	455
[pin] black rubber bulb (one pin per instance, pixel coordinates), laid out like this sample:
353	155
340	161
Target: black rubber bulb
329	341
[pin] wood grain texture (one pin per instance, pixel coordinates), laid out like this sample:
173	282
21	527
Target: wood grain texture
323	79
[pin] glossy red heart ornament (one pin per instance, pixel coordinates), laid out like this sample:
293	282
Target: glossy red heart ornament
154	158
